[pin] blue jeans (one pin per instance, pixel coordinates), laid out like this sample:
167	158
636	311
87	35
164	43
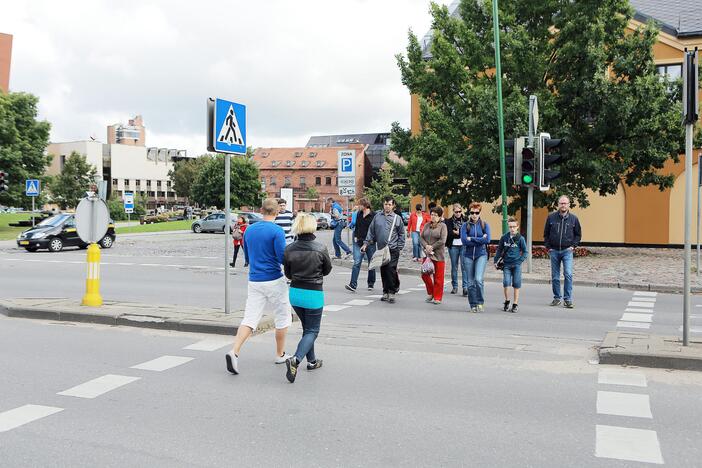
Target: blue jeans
357	260
338	244
456	254
565	256
512	276
416	245
475	269
310	320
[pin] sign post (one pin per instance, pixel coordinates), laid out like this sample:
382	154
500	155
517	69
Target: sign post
226	133
92	218
533	126
32	187
346	179
129	205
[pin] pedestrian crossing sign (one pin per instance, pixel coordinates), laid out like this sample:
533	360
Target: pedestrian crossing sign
31	187
229	129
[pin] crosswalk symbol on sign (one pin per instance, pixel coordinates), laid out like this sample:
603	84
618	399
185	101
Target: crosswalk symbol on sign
32	188
231	132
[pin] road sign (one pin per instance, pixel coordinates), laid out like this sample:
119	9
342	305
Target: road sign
226	126
92	218
347	191
32	187
347	163
287	195
129	202
346	181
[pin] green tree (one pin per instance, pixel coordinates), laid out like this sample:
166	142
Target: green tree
69	187
183	175
245	185
116	207
312	193
385	185
23	140
597	87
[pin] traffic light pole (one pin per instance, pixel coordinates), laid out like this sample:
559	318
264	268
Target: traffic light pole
533	122
500	119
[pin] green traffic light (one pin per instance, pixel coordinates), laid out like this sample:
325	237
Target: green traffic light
527	179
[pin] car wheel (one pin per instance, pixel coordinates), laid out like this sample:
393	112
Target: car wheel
197	229
55	244
223	227
106	242
31	249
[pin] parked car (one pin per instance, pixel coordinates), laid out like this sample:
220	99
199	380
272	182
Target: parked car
60	231
323	220
211	223
251	216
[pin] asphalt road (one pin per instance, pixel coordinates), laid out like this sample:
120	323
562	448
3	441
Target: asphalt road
408	384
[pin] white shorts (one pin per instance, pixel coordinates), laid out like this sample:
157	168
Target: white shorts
262	293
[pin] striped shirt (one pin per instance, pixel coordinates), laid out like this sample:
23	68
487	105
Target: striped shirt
284	220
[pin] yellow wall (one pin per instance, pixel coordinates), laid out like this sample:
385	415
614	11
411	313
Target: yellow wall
604	220
677	209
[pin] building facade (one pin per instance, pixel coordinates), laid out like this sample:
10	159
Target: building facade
5	61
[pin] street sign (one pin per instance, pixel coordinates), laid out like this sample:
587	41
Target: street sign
226	126
129	202
347	163
287	195
347	191
346	181
92	218
32	187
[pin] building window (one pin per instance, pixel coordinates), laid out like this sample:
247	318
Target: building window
158	184
318	181
126	182
138	184
263	183
327	180
148	184
297	154
670	72
287	181
304	163
272	180
168	183
302	181
114	181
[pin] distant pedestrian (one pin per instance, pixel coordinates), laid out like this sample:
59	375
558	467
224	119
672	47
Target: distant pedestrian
387	229
265	244
338	223
511	253
475	235
238	238
417	220
562	234
433	241
284	219
363	218
455	248
306	264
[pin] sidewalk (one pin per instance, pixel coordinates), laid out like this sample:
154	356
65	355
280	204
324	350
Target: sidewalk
642	349
166	317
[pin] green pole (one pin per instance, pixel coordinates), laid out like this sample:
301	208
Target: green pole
500	118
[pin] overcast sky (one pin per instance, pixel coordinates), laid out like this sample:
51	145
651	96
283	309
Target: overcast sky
305	67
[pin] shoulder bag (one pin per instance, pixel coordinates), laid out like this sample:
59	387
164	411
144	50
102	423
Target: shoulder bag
382	256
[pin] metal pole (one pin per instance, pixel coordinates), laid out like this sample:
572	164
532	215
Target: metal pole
227	174
348	211
699	215
500	121
530	217
33	211
688	217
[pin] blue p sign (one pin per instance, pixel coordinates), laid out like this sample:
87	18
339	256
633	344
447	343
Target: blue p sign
346	165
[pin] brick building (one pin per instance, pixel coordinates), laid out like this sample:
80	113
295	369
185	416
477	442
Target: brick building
5	60
305	168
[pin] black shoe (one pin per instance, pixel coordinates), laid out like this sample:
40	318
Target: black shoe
391	299
505	307
245	265
465	292
555	302
385	297
231	264
291	373
514	308
314	365
454	290
370	287
350	288
568	304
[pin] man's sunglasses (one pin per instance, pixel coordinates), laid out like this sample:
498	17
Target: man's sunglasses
475	212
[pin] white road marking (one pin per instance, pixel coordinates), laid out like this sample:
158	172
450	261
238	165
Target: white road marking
96	387
375	296
635	405
633	325
621	377
162	363
335	308
25	414
418	289
644	299
643	311
645	293
640	304
423	285
358	302
692	329
343	272
210	344
403	291
624	443
628	317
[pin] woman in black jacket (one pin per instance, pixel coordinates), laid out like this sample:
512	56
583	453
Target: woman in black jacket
306	262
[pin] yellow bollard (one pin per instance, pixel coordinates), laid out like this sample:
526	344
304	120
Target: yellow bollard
92	296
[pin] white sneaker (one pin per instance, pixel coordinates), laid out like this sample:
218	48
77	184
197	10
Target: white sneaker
232	362
283	358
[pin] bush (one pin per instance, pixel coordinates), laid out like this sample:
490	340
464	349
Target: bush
539	251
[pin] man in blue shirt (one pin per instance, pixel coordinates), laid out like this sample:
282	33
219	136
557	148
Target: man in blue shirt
338	223
265	245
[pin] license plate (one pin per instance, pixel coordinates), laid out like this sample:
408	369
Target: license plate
24	242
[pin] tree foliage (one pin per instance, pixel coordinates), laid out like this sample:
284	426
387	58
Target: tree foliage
183	175
116	207
597	87
245	185
69	187
23	140
385	185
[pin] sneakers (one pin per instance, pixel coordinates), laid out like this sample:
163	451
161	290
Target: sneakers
569	304
435	302
465	292
346	255
246	265
514	308
555	302
350	288
474	310
385	297
314	365
370	287
505	307
454	290
481	308
231	264
429	299
391	299
232	362
281	359
291	364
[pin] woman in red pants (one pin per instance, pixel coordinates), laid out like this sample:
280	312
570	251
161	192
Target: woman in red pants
433	241
238	239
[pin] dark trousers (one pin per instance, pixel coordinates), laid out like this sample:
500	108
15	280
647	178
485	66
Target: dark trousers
388	273
236	252
310	320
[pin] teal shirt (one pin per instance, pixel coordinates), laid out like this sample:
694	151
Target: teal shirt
307	298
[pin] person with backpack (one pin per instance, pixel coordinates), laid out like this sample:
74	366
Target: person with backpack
475	236
238	239
511	253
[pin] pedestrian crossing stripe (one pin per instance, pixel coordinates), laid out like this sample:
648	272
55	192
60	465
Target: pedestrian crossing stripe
231	131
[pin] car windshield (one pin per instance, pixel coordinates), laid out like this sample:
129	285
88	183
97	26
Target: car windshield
54	220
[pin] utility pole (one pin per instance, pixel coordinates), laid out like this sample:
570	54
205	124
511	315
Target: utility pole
500	119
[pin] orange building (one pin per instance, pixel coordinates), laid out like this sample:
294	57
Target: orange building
5	61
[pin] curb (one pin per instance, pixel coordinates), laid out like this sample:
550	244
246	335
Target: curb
664	361
644	350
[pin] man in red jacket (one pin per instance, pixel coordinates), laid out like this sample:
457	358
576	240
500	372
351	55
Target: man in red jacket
417	221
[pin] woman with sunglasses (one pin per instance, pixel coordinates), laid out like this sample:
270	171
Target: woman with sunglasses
475	235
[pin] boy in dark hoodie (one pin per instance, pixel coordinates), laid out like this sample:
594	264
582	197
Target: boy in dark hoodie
512	250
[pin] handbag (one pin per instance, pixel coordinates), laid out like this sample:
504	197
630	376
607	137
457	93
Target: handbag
427	266
500	263
237	235
382	256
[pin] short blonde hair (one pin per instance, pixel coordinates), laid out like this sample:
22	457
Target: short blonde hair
270	206
304	224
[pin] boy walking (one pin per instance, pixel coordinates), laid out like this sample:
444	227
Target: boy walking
512	251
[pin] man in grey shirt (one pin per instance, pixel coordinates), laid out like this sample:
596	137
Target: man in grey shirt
387	228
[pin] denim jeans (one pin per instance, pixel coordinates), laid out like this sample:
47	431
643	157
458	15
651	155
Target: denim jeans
512	276
416	245
310	320
565	256
456	254
475	269
357	260
338	244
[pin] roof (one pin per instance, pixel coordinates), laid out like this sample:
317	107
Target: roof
336	140
680	18
301	158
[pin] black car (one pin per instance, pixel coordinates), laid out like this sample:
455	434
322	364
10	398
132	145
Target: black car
57	232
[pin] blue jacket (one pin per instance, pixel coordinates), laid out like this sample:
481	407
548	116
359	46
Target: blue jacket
479	239
265	248
514	249
335	221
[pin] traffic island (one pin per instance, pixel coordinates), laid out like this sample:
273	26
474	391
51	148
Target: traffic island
165	317
645	350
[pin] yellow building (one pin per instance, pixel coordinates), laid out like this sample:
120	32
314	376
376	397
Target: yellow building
634	215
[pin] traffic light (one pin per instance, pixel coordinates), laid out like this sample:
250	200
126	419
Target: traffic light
550	154
528	175
509	160
3	184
